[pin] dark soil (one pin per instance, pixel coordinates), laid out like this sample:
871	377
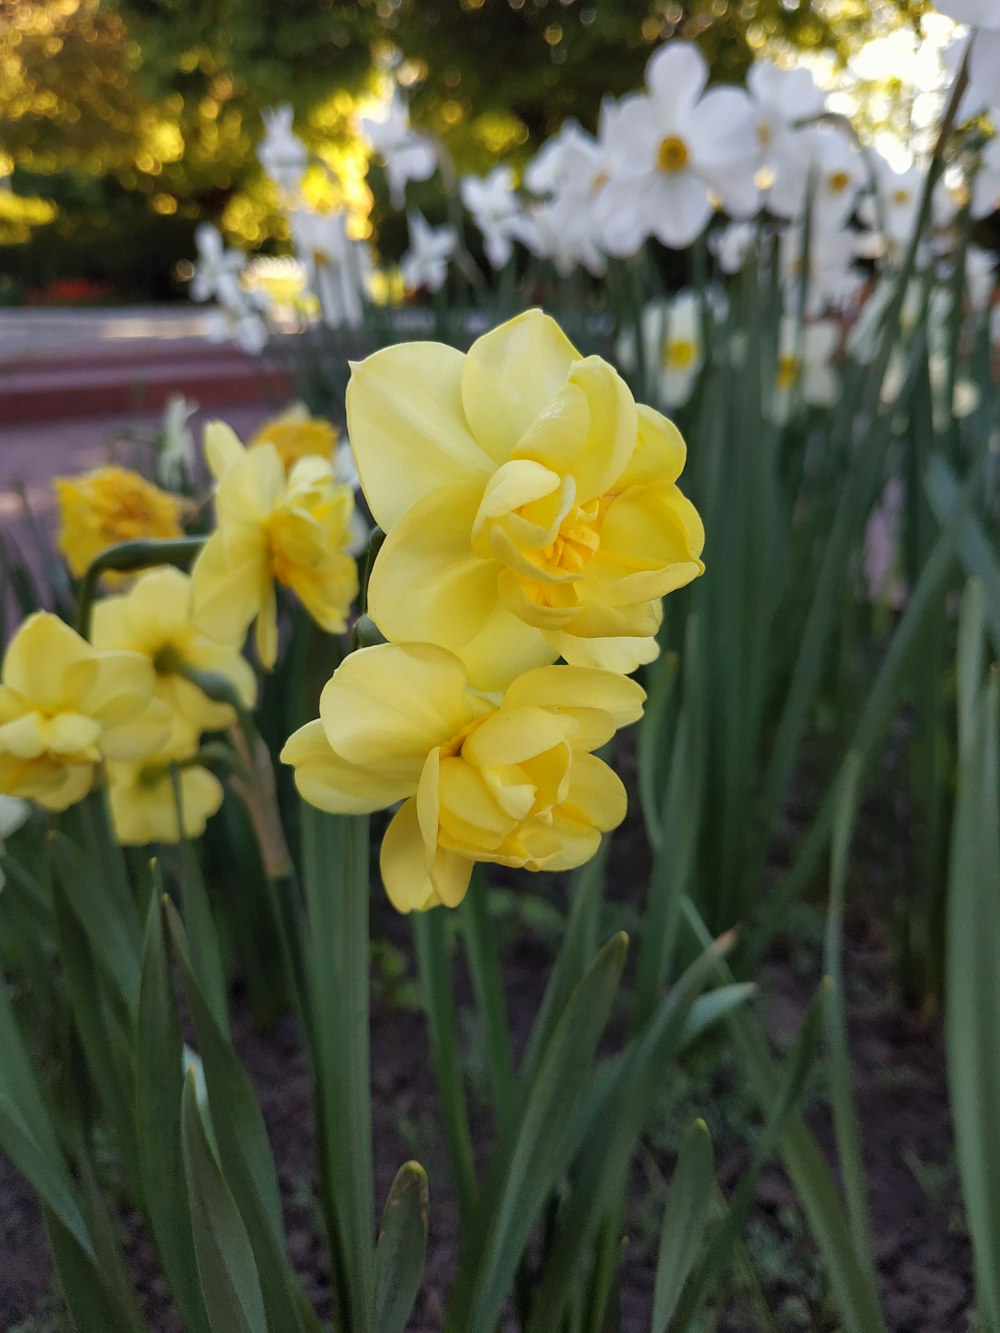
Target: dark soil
922	1250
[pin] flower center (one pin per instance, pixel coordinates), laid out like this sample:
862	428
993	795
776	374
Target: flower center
673	154
788	371
679	354
838	181
901	197
576	542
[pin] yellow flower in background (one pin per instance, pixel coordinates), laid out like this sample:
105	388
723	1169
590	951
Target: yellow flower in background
509	779
108	505
295	434
154	618
143	800
64	706
531	506
292	530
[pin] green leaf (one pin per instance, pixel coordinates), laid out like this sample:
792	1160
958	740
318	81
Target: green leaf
536	1158
973	991
46	1175
684	1221
244	1148
84	1286
112	934
159	1078
336	883
401	1249
229	1281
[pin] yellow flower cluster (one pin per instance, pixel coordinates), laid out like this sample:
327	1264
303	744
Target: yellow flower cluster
532	512
108	505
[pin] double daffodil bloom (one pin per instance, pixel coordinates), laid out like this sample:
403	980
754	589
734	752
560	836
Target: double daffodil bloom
272	529
531	506
144	803
154	618
508	779
64	707
108	505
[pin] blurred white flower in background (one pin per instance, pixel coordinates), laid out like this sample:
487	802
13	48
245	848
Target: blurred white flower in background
677	155
175	445
673	348
425	264
337	267
496	211
980	277
281	153
732	245
804	372
216	270
242	325
823	259
406	154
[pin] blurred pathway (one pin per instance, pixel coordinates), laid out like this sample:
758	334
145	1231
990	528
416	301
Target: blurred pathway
68	364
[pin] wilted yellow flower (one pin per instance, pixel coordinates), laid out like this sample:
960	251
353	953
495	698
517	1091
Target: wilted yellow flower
154	618
508	779
108	505
64	706
272	529
531	506
295	434
143	800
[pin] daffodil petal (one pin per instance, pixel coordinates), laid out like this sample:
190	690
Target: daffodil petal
408	429
40	655
511	376
222	448
331	783
599	702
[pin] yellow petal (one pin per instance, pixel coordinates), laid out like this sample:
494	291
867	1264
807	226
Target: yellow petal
40	655
408	429
598	702
140	736
426	583
620	654
405	873
54	785
388	707
659	454
222	448
514	733
611	432
470	821
26	737
331	783
226	594
596	794
511	376
119	685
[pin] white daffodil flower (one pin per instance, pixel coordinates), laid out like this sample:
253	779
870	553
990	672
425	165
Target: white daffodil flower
337	268
216	270
281	153
803	374
496	211
425	264
828	271
176	445
562	230
673	347
677	155
821	159
407	154
243	326
732	245
781	101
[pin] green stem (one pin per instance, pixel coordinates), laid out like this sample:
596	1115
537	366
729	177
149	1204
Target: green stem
487	980
127	556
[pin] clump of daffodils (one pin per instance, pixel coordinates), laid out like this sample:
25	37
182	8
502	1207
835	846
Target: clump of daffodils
532	512
295	434
106	506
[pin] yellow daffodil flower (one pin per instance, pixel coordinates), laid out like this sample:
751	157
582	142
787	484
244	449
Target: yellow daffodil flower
531	506
143	800
154	618
272	529
295	434
64	706
509	779
109	505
